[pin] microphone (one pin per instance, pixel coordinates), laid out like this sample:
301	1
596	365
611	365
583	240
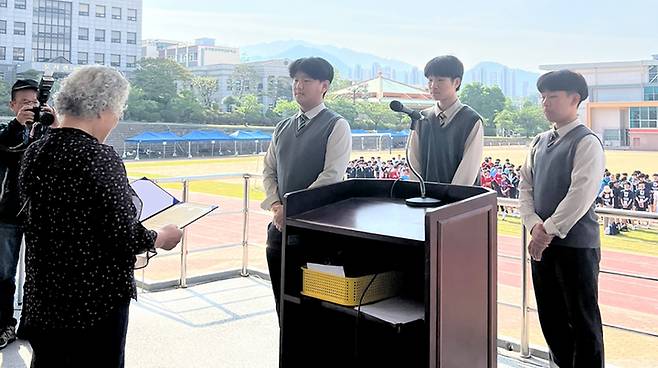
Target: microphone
397	106
421	201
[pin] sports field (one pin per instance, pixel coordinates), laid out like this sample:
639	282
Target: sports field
616	162
639	241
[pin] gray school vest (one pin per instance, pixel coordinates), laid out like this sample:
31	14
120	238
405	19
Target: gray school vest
300	154
441	149
551	176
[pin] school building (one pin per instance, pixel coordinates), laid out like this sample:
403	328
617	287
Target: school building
623	101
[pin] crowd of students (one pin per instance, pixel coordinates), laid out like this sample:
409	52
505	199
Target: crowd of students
394	168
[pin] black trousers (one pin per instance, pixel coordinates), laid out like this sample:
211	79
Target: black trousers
566	288
273	254
100	346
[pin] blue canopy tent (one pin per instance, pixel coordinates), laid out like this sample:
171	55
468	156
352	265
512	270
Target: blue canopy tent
201	136
260	135
151	138
242	136
260	138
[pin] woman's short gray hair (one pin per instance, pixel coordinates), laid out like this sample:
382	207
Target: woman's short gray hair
91	90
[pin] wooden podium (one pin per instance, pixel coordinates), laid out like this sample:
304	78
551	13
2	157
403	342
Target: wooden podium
446	255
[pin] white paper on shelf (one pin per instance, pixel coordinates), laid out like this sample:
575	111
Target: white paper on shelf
395	310
332	270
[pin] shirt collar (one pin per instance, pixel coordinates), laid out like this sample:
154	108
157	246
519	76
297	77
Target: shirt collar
310	114
449	112
567	128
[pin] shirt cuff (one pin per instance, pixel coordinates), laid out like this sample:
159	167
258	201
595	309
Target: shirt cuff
269	201
551	228
530	221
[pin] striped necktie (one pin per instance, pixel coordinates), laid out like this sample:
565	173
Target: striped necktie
553	138
302	120
442	118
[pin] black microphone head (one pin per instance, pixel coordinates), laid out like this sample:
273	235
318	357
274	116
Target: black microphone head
396	105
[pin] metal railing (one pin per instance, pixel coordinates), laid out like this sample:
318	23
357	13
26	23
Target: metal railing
525	265
524	345
184	249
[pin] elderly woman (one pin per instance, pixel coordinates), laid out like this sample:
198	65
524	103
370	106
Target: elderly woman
82	232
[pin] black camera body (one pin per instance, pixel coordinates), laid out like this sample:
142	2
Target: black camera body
43	94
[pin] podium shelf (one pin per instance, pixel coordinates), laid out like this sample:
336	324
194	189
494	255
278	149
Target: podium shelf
386	219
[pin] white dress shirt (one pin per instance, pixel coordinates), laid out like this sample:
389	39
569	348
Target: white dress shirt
337	156
469	168
588	168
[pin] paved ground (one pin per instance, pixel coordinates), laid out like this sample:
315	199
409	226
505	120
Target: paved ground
228	323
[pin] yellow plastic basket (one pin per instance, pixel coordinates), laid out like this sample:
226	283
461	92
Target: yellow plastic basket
347	290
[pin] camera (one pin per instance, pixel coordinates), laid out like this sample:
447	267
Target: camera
43	94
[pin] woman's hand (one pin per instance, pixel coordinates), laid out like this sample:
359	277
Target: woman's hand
168	237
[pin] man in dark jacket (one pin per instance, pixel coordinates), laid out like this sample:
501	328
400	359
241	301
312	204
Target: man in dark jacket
14	138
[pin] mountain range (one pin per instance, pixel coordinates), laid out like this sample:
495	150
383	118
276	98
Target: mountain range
355	65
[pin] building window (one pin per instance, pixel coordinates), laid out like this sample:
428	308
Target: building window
3	53
99	58
83	58
132	15
19	28
52	30
131	38
100	11
3	3
116	36
116	13
19	54
19	4
115	60
3	26
131	61
651	93
100	35
83	9
643	117
83	34
653	74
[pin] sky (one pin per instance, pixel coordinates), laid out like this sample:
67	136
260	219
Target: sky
518	33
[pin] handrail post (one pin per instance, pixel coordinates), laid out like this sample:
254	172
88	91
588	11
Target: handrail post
525	343
245	228
183	249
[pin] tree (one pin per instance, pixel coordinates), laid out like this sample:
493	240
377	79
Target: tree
531	120
30	74
279	88
339	82
184	108
205	88
230	103
5	97
140	108
251	109
159	78
487	101
244	80
285	108
506	122
375	116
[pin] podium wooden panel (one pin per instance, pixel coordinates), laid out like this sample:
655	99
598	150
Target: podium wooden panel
446	254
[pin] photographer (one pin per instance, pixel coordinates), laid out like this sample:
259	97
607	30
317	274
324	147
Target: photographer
14	138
